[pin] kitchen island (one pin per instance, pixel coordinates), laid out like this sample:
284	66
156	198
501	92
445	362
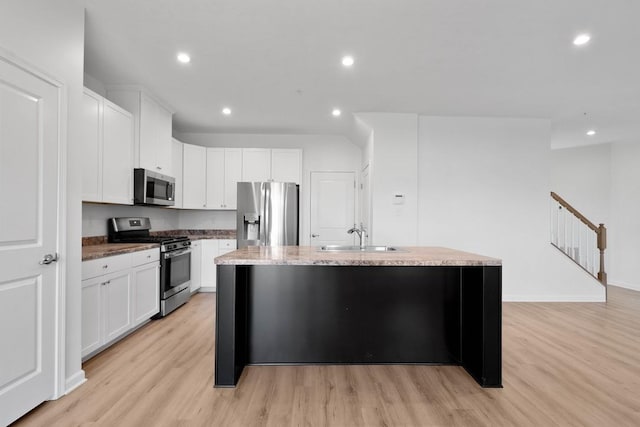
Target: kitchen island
416	305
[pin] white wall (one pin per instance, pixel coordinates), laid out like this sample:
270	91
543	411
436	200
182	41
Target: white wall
50	36
204	220
582	176
95	216
624	231
392	148
320	153
484	188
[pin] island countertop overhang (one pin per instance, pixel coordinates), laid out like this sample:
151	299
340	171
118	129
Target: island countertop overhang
311	255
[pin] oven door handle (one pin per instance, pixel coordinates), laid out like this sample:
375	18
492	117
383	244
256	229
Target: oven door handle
174	254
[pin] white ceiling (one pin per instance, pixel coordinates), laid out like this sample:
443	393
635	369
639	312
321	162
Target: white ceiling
276	63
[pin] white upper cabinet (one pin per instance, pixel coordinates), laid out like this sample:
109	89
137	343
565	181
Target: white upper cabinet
224	170
256	164
215	178
155	136
107	151
153	124
91	127
117	155
176	166
194	177
277	164
232	175
286	165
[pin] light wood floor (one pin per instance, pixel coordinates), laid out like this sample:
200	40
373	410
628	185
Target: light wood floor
563	364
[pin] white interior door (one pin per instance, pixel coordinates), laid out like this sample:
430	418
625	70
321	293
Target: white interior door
29	141
332	208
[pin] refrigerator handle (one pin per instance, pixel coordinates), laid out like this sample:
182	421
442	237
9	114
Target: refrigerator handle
265	226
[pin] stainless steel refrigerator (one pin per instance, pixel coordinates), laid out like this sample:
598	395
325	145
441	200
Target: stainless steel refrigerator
267	214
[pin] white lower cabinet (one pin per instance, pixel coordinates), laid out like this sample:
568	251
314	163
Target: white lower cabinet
118	294
196	263
208	267
116	300
210	250
146	295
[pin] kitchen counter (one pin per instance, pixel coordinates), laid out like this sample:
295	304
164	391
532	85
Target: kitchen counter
309	255
297	305
90	252
94	247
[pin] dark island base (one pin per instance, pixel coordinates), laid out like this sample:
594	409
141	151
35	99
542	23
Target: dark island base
359	315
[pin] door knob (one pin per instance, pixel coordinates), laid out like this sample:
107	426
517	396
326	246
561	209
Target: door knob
315	235
48	259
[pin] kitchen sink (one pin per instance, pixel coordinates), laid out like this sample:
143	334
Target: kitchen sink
354	248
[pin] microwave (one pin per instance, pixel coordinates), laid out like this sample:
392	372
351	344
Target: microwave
152	188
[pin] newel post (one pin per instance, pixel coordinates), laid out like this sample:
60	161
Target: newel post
602	245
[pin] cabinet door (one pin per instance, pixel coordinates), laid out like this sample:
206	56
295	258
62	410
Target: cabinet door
256	164
148	134
286	165
196	264
232	174
215	178
117	155
176	166
209	252
146	292
163	145
194	170
117	304
91	146
91	323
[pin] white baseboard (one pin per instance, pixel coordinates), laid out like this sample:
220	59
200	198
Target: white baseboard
551	298
74	381
632	286
207	289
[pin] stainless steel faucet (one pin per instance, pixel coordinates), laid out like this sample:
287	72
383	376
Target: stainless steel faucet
362	234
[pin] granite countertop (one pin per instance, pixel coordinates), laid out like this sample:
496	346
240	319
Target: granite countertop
94	247
310	255
110	249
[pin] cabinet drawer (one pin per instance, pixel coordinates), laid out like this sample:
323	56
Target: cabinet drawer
144	257
100	266
227	244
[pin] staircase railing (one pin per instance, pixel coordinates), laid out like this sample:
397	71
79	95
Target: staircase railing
578	238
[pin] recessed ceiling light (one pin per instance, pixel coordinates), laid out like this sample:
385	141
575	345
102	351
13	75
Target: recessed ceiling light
226	111
348	61
336	112
184	58
591	132
581	39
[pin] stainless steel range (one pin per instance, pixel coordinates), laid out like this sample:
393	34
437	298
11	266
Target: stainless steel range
175	259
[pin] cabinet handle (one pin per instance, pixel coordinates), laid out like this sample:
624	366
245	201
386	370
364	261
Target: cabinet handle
159	168
105	266
204	206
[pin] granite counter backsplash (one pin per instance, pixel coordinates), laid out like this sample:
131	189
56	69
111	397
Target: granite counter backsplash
198	234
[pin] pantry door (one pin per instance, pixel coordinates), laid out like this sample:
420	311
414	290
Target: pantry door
332	208
29	155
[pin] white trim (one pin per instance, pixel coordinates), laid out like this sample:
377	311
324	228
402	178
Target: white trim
59	305
61	329
75	381
632	286
207	289
552	298
143	91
